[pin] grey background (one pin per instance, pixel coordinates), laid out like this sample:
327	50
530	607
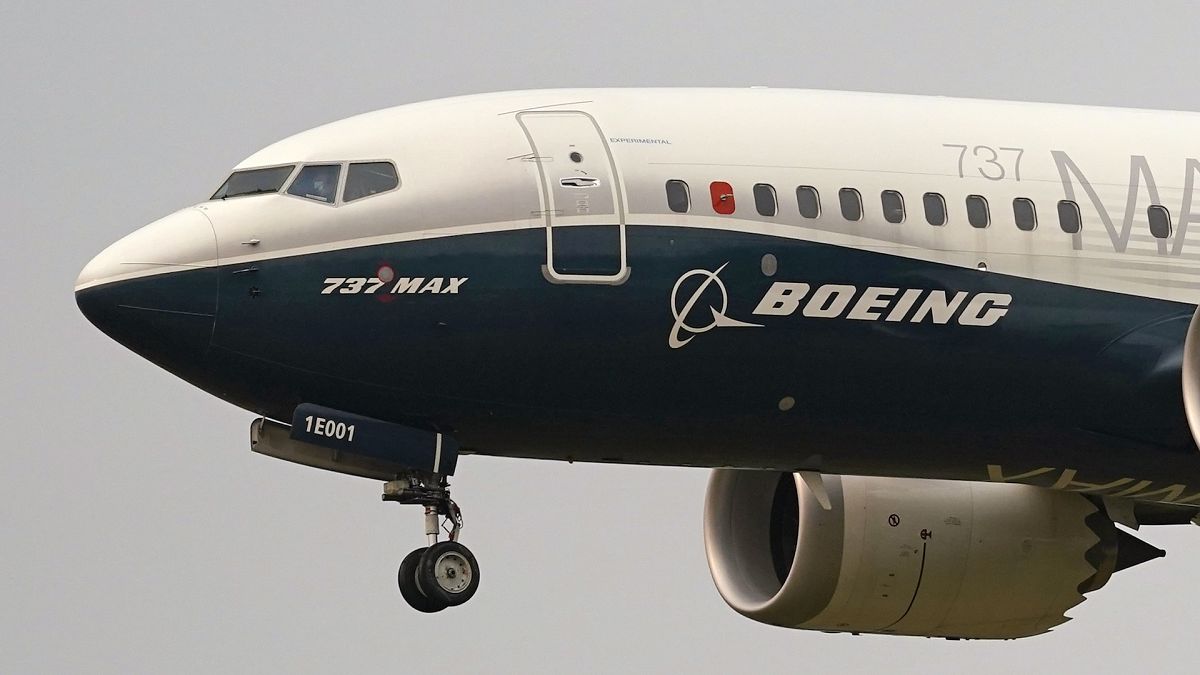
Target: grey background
139	534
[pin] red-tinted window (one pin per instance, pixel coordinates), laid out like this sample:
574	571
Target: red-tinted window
722	197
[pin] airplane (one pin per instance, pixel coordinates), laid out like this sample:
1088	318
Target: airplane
934	350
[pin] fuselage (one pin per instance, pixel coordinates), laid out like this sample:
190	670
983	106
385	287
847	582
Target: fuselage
795	280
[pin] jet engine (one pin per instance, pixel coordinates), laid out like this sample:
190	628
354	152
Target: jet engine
903	556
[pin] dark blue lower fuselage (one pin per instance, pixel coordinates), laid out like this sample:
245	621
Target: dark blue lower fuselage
514	365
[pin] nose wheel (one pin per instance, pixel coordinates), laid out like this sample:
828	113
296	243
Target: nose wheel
444	573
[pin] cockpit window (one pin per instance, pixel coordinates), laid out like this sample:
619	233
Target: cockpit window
254	182
364	179
317	181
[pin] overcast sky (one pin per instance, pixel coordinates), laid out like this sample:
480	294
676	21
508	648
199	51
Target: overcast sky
138	532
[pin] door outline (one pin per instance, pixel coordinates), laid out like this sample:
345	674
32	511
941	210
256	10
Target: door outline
544	194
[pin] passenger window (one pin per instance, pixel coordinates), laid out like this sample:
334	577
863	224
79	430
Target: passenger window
1160	221
977	212
1025	214
809	201
679	199
893	206
935	208
764	200
317	181
364	179
851	203
1068	217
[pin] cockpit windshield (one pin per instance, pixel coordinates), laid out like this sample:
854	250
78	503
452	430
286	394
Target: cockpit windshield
254	182
318	182
369	178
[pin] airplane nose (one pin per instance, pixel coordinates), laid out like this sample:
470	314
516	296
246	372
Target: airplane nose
155	291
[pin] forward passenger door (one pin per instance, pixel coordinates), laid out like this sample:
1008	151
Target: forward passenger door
580	196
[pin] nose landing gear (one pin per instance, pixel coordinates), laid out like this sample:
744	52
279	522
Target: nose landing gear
445	573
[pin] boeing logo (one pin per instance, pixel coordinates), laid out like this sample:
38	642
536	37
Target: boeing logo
832	301
682	312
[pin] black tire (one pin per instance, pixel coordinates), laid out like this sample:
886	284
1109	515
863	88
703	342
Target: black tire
448	573
406	579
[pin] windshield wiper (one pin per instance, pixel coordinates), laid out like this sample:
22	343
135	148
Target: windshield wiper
257	191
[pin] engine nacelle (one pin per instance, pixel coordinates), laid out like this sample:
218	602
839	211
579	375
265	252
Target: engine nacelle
904	556
1191	376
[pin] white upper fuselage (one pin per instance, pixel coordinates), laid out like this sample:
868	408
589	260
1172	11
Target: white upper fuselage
464	166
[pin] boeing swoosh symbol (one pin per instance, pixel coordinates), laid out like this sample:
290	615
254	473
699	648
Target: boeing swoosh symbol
719	319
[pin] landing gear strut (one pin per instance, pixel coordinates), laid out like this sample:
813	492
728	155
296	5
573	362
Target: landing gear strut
444	573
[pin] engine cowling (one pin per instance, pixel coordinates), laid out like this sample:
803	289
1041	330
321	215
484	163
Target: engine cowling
905	556
1191	376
